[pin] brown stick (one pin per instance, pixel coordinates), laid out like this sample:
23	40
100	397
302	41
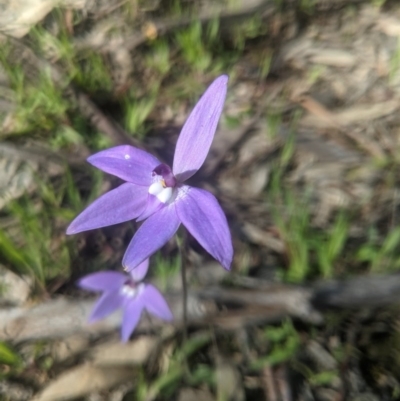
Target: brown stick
265	302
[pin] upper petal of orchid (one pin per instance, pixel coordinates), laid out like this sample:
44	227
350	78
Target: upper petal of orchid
155	303
103	281
139	272
107	304
126	162
151	236
202	215
132	312
198	132
121	204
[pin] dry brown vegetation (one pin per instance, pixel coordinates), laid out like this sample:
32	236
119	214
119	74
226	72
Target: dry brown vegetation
305	164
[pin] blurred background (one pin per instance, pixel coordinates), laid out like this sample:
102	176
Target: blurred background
305	164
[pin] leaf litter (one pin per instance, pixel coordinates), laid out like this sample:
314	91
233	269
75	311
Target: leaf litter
315	137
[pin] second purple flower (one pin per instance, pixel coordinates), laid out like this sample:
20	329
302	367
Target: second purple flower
127	292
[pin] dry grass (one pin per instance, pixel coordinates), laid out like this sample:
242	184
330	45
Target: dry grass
304	163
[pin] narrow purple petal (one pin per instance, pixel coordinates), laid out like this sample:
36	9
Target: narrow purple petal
121	204
109	302
139	272
126	162
132	312
198	132
103	281
202	215
152	206
155	303
151	236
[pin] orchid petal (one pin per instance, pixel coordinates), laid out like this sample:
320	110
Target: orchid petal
151	236
139	272
102	281
198	132
107	304
132	312
152	206
126	162
155	303
202	215
121	204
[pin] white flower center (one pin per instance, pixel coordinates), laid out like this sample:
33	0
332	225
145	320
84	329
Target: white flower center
131	291
162	192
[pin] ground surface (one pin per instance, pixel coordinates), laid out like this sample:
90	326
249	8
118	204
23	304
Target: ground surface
305	164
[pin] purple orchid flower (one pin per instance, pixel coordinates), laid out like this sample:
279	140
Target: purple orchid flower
126	292
156	193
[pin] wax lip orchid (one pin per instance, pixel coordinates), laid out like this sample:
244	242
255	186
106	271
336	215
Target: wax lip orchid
127	292
157	194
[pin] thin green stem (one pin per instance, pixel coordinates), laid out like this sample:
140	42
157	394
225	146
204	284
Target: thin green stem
181	247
